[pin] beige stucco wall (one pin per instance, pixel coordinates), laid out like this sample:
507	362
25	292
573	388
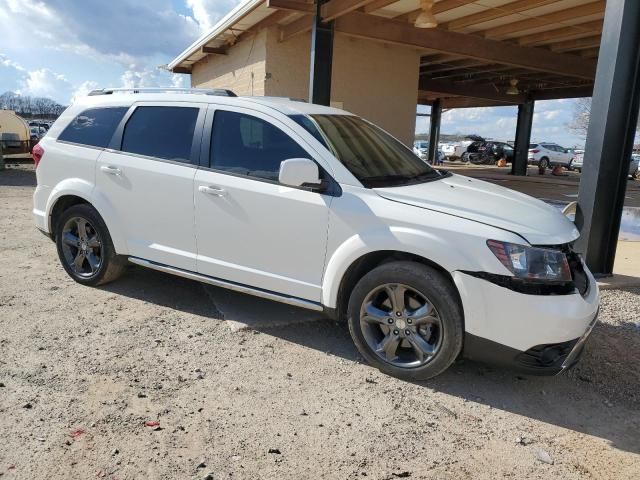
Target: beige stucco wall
241	70
375	80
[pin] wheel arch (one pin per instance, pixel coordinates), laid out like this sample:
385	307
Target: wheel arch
370	260
80	192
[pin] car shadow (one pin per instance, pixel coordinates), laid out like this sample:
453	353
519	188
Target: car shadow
17	177
563	400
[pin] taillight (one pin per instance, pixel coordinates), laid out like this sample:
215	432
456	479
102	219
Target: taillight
36	153
534	151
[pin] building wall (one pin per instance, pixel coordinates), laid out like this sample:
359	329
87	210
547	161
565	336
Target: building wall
241	70
375	80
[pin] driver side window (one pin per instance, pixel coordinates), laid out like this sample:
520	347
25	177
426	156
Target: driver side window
246	145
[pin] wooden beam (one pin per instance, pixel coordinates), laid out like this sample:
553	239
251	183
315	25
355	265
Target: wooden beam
377	5
440	7
487	92
292	6
378	28
215	50
181	70
587	29
556	93
494	13
576	44
530	23
337	8
271	20
456	65
302	25
470	102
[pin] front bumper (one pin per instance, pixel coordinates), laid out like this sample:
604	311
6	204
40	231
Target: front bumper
536	334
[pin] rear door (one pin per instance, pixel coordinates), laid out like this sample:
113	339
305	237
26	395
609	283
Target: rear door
147	176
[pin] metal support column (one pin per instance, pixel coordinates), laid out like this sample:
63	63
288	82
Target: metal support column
612	127
523	138
434	130
321	59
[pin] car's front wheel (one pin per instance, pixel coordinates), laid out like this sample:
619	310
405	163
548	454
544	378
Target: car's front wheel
85	248
405	319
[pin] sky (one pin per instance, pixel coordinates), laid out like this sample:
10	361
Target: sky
65	48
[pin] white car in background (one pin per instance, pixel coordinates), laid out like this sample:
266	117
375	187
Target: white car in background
548	154
452	150
421	149
634	164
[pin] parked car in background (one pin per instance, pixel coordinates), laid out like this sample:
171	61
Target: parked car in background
634	163
546	154
487	152
576	161
453	151
315	207
421	149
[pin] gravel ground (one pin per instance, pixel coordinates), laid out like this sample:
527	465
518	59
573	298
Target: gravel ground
244	388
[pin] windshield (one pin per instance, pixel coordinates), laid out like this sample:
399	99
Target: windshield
374	157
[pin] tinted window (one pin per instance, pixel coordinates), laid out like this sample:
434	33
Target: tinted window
247	145
93	127
162	132
533	145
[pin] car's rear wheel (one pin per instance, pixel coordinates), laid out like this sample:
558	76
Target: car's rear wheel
406	320
85	248
544	162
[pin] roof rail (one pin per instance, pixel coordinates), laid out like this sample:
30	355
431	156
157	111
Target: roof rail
222	92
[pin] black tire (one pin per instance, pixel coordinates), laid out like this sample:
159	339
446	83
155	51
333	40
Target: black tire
105	266
432	286
544	163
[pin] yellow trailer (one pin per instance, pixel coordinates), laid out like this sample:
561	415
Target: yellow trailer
15	134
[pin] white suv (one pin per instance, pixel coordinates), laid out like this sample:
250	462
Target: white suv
318	208
549	154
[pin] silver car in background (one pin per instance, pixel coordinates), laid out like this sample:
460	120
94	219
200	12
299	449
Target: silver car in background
634	164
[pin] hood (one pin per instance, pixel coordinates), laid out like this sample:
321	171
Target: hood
536	221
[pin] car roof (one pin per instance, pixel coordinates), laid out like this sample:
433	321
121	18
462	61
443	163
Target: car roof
284	105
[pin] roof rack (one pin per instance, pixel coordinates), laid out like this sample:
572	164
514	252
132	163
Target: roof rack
221	92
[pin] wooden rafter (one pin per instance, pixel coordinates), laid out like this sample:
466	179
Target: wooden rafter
292	6
532	22
440	7
494	13
377	28
576	44
301	25
377	5
562	33
337	8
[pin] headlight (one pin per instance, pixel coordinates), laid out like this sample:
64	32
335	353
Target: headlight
531	263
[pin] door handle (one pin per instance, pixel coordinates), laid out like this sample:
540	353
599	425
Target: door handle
211	190
111	170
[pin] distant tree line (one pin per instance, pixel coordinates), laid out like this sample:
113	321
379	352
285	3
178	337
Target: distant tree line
31	107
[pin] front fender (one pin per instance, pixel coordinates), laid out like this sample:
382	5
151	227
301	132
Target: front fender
400	239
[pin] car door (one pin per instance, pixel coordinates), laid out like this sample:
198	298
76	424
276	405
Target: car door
147	177
250	229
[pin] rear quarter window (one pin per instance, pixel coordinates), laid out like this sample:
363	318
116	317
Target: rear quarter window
93	127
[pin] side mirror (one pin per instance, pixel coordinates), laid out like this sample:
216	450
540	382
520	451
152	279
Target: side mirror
300	172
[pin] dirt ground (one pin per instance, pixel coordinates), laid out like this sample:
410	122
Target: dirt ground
245	388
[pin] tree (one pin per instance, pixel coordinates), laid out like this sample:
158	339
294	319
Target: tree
27	106
581	115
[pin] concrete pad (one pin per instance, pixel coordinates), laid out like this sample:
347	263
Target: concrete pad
246	312
626	269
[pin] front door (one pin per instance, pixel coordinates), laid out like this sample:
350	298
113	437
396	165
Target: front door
148	179
250	229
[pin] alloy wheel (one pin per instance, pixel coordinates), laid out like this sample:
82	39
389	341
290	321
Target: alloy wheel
81	247
401	325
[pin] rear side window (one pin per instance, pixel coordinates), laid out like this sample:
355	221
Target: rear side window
247	145
161	132
93	127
